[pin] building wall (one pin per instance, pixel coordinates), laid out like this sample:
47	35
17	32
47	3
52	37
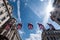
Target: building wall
55	14
4	16
5	19
12	33
9	7
51	35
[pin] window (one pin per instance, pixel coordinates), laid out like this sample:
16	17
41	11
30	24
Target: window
7	15
3	19
47	38
58	19
5	10
9	8
2	4
56	11
59	14
54	38
51	38
54	1
0	19
58	6
1	13
54	16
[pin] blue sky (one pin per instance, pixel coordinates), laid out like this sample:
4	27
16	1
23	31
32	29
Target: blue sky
32	11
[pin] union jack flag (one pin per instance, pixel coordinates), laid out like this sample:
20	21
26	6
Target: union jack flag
7	27
51	26
41	26
30	26
19	26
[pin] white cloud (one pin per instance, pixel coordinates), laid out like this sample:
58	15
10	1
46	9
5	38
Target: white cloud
21	32
36	36
18	7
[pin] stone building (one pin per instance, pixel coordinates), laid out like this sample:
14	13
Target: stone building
55	14
8	28
51	35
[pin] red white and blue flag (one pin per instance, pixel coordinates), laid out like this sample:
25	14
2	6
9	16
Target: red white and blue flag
41	26
30	26
7	27
19	26
51	26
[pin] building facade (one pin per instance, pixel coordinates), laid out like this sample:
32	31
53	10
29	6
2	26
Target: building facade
8	29
51	35
55	14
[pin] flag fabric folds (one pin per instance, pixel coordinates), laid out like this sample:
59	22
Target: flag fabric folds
30	26
7	27
51	26
19	26
41	26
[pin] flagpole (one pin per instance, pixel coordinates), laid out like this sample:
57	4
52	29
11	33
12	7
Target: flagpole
18	10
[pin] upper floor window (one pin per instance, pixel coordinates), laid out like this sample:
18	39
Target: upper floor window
1	13
3	4
3	19
5	10
58	19
0	21
47	38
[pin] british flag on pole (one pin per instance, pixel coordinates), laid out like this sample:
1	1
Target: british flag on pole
51	26
41	26
30	26
19	26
